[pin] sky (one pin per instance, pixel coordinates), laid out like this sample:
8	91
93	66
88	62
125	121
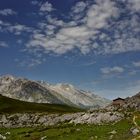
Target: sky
92	44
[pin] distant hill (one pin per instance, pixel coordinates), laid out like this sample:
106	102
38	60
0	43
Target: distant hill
8	105
42	92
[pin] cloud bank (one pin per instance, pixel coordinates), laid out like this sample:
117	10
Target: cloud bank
91	27
97	27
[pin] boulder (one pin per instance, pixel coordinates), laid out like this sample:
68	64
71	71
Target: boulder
134	131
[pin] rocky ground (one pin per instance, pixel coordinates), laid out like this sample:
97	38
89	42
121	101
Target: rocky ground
92	125
31	120
121	130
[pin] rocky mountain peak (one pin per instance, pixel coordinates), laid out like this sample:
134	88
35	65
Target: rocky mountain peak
7	79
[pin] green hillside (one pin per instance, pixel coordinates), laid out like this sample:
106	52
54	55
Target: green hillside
8	105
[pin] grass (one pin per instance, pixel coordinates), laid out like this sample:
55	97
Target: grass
138	119
73	132
8	105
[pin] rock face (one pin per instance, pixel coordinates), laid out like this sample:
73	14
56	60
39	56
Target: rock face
26	90
42	92
133	102
30	120
79	97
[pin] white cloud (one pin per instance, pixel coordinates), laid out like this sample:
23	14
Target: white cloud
99	14
112	70
78	11
46	7
68	35
84	31
7	12
79	7
135	5
76	32
34	2
136	64
3	44
16	29
90	27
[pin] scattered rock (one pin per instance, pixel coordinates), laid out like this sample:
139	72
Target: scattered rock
97	118
113	132
2	137
37	119
96	137
134	131
91	138
44	138
7	133
78	129
27	135
111	137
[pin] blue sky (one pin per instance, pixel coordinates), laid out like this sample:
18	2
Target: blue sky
93	44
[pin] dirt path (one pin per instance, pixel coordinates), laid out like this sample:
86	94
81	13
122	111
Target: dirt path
135	123
137	126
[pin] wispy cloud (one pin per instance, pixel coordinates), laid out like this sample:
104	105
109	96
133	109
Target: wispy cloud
68	35
7	12
103	35
135	5
136	64
112	70
35	2
3	44
46	7
86	64
30	62
89	27
16	29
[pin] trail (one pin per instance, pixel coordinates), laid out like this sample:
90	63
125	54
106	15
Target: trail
135	123
137	126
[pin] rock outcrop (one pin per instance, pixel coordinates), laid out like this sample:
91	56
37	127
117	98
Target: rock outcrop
130	104
133	102
31	120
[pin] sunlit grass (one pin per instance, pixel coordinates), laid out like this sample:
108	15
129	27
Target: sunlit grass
73	132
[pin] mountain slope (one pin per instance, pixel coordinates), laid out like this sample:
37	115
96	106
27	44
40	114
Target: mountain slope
133	102
42	92
26	90
79	97
8	105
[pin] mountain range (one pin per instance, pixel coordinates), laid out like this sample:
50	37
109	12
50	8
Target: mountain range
42	92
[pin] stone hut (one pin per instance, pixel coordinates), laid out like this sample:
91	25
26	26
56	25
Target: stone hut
118	102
